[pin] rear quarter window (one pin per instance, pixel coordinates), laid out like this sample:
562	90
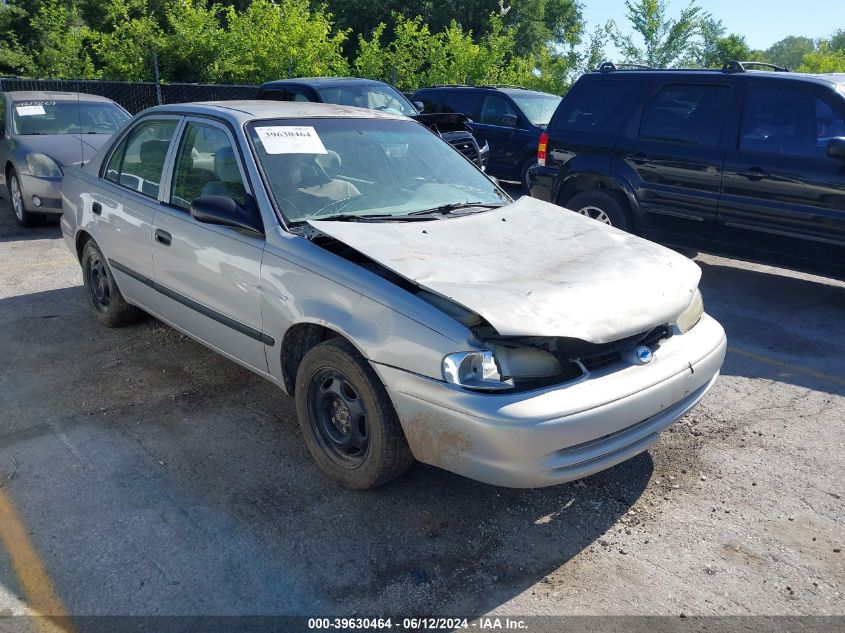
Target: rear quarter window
589	104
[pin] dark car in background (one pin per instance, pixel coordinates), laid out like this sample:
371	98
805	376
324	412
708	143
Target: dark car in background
738	161
509	119
377	95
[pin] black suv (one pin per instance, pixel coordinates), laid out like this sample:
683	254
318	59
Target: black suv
377	95
745	162
509	119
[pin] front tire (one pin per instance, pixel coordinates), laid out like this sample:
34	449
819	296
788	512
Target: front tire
601	207
104	297
347	418
23	217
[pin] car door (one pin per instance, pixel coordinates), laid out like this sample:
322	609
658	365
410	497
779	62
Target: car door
209	274
671	156
782	193
126	202
496	124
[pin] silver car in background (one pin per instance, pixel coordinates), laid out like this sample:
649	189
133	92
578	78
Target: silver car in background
41	133
407	303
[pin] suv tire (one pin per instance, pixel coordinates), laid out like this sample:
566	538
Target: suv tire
601	207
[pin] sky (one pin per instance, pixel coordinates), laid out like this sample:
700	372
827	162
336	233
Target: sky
762	22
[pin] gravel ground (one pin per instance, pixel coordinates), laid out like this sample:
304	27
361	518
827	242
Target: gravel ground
155	477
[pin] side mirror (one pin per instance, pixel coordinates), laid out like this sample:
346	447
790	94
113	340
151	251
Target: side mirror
419	105
509	120
836	147
224	211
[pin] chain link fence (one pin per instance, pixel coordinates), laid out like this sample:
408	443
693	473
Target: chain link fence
135	96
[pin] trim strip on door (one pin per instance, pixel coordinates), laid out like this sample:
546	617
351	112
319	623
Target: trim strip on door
198	307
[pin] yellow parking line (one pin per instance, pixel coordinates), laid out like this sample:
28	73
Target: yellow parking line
38	590
790	367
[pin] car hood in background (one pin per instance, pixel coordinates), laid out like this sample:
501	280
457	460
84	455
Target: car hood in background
66	149
534	269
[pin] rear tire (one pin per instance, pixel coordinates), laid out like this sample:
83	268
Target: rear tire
347	419
104	297
600	206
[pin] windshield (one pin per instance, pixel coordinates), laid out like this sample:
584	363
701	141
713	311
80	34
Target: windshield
66	117
374	97
537	106
319	168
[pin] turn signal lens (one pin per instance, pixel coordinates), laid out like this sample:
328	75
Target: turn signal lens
541	149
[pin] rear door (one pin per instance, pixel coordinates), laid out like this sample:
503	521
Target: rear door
671	156
208	275
127	201
782	194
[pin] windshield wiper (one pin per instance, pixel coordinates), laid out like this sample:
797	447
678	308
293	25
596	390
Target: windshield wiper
445	209
357	217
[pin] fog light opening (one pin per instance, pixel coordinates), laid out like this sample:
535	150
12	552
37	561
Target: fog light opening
36	201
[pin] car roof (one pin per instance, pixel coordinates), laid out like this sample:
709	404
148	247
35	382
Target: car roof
509	90
49	95
243	111
822	78
317	82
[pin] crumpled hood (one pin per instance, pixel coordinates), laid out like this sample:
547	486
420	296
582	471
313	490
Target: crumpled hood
66	149
532	268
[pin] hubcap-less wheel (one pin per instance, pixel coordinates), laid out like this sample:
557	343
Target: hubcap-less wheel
17	198
339	417
596	214
99	284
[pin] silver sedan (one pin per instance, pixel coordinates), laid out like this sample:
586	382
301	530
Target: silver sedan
411	308
41	133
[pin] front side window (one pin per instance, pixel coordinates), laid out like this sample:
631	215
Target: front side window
789	122
138	161
462	101
538	107
326	168
691	114
44	117
384	98
494	109
206	165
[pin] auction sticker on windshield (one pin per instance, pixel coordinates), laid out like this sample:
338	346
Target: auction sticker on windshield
30	110
290	139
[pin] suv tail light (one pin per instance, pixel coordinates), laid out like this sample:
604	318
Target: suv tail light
541	149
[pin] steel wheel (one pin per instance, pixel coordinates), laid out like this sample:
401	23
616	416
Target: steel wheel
595	213
339	417
17	197
98	285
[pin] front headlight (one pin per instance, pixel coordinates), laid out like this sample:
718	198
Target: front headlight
43	166
692	315
474	370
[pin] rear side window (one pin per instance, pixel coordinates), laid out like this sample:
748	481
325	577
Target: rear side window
789	122
138	161
274	94
690	114
462	101
590	104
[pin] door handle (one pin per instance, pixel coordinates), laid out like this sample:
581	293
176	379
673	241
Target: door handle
753	173
163	237
638	159
96	208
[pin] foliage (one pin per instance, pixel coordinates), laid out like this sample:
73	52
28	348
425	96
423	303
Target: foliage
790	51
65	42
823	60
663	40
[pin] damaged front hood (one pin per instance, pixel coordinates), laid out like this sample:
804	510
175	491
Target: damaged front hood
534	269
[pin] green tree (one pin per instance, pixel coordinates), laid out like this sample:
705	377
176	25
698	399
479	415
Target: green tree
126	52
656	39
716	47
14	60
65	42
823	60
790	51
837	41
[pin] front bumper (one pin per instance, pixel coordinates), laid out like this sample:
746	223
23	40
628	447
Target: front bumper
554	435
48	190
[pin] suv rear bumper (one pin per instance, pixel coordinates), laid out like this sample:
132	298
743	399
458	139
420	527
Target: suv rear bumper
541	181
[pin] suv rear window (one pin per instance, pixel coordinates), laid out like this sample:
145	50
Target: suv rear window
685	114
590	104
